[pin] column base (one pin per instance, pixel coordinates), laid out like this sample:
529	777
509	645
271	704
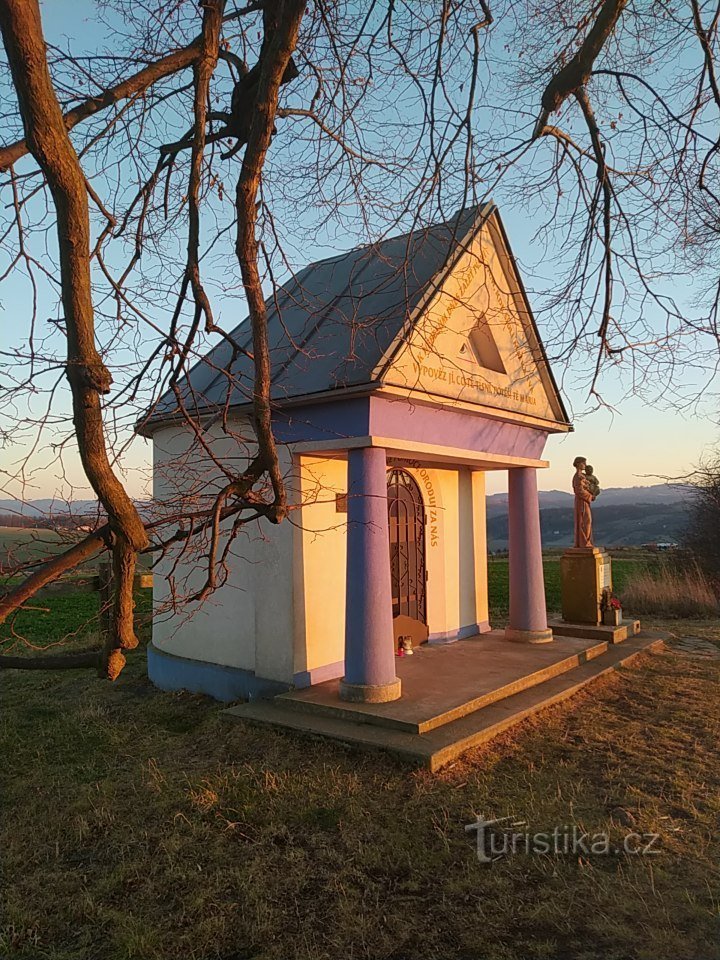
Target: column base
370	692
528	636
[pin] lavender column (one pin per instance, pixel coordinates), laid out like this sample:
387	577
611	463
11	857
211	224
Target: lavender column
369	646
528	616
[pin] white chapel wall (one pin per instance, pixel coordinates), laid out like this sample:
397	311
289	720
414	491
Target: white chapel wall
456	549
253	609
282	611
440	493
480	559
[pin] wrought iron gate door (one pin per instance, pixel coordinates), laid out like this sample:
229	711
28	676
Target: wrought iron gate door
406	513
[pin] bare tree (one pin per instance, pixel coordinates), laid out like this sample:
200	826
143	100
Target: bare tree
704	518
133	172
47	139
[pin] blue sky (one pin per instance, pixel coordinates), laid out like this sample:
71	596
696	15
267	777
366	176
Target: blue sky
638	441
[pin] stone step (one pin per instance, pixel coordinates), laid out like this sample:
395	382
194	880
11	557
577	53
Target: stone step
391	715
446	743
626	628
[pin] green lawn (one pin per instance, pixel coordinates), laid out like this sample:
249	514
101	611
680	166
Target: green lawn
67	618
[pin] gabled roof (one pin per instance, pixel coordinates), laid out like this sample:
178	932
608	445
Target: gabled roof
330	325
338	323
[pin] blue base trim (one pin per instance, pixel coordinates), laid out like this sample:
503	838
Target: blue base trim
473	630
169	672
331	671
462	633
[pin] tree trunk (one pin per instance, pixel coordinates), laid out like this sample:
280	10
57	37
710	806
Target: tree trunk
284	30
48	140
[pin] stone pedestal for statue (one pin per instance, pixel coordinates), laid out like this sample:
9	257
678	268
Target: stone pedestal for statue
584	573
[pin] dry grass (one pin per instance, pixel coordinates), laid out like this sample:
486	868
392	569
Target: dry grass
141	825
680	590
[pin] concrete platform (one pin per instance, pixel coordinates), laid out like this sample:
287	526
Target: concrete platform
445	682
463	709
596	631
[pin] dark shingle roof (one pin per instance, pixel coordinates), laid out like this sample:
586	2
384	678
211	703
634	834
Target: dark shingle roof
330	325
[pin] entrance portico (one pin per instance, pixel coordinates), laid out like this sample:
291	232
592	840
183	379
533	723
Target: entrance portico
369	639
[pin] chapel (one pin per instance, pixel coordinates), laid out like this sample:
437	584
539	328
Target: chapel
403	373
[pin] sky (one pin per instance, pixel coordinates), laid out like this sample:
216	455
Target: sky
636	442
639	446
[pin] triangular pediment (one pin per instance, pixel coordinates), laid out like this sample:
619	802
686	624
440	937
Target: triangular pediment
474	341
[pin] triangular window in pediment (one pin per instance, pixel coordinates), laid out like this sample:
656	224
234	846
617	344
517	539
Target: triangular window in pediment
481	344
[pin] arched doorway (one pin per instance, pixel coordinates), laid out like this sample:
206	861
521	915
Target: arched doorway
406	516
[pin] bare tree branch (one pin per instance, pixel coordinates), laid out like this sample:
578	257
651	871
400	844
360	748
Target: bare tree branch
282	26
576	72
49	142
130	87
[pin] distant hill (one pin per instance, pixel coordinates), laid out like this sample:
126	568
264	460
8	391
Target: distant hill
48	508
658	493
622	516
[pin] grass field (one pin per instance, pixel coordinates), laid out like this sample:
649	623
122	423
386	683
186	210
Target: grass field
20	545
498	588
70	618
139	825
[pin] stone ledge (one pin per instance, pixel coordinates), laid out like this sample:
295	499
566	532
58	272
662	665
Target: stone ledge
586	552
597	631
445	684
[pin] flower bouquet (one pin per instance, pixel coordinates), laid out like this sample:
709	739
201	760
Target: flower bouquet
611	610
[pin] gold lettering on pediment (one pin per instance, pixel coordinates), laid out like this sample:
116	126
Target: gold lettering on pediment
452	376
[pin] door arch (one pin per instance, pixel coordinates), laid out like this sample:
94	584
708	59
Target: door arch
406	520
